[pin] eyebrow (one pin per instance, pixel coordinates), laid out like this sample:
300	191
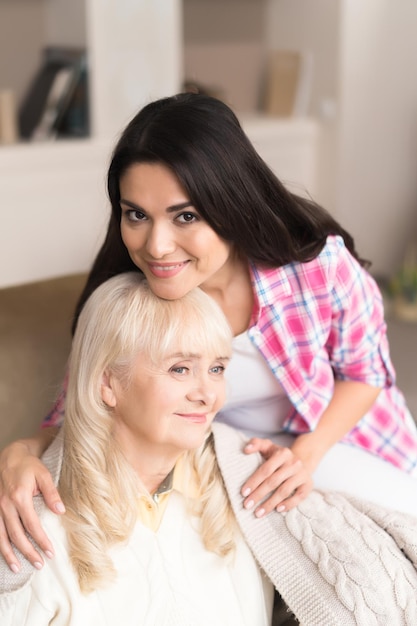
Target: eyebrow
169	209
194	355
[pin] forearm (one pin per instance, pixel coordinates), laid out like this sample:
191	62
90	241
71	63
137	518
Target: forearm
350	401
35	445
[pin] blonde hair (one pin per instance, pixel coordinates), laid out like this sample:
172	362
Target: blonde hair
121	319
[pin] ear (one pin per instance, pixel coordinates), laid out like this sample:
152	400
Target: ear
107	393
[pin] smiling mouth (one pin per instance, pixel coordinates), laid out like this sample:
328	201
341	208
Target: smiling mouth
166	270
196	418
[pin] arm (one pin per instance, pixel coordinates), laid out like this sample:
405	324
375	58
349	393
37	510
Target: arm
289	471
357	353
23	475
351	400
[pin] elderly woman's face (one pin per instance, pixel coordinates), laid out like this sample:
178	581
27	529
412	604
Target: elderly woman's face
167	407
165	236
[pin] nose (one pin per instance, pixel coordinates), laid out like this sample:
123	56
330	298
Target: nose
160	241
203	393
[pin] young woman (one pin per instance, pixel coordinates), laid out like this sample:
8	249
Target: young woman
150	536
193	204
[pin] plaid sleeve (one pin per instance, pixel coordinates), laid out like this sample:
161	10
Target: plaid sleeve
358	345
56	415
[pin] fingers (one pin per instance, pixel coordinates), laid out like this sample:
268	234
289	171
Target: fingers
50	494
13	532
6	549
19	518
265	446
273	471
287	497
280	483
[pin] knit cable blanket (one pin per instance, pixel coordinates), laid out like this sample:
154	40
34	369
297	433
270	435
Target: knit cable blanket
335	560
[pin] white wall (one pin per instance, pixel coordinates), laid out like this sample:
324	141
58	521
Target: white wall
377	187
313	27
54	209
136	53
365	54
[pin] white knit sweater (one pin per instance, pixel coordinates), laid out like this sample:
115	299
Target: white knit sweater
335	560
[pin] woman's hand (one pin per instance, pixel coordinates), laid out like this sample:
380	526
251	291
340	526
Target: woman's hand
22	476
283	475
287	473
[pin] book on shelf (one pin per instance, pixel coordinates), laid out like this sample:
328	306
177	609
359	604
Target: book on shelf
288	83
56	104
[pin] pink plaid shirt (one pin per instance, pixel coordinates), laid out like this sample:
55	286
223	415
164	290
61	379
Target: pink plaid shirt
317	321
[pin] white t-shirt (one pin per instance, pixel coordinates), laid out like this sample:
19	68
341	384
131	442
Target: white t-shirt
256	402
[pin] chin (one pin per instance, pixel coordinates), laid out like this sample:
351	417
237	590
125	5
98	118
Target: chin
168	293
192	441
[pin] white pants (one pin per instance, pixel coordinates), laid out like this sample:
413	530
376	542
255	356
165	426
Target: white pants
359	473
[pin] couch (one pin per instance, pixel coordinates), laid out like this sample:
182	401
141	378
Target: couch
35	339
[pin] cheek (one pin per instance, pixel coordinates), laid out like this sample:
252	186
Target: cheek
221	397
221	250
127	237
131	239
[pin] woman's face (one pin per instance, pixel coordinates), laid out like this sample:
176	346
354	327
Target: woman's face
166	408
166	237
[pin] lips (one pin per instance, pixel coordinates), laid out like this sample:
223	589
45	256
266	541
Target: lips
195	418
166	270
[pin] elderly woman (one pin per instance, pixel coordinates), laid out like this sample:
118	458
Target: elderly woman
150	535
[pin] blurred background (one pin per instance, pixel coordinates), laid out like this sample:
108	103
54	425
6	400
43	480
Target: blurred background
348	94
325	89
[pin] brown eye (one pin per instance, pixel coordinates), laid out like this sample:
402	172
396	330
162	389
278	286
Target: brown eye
187	218
135	216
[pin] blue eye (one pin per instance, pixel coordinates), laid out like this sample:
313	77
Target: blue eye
179	369
217	369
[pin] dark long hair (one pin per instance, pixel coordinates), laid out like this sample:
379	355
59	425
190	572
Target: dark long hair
201	140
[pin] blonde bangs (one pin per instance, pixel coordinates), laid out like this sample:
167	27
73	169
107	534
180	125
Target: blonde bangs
193	325
125	319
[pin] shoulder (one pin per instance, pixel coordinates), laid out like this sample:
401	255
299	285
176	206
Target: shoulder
53	455
38	596
234	464
10	582
319	270
228	440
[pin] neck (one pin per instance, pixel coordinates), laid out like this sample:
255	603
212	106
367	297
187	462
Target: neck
232	289
154	480
152	469
219	285
151	463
